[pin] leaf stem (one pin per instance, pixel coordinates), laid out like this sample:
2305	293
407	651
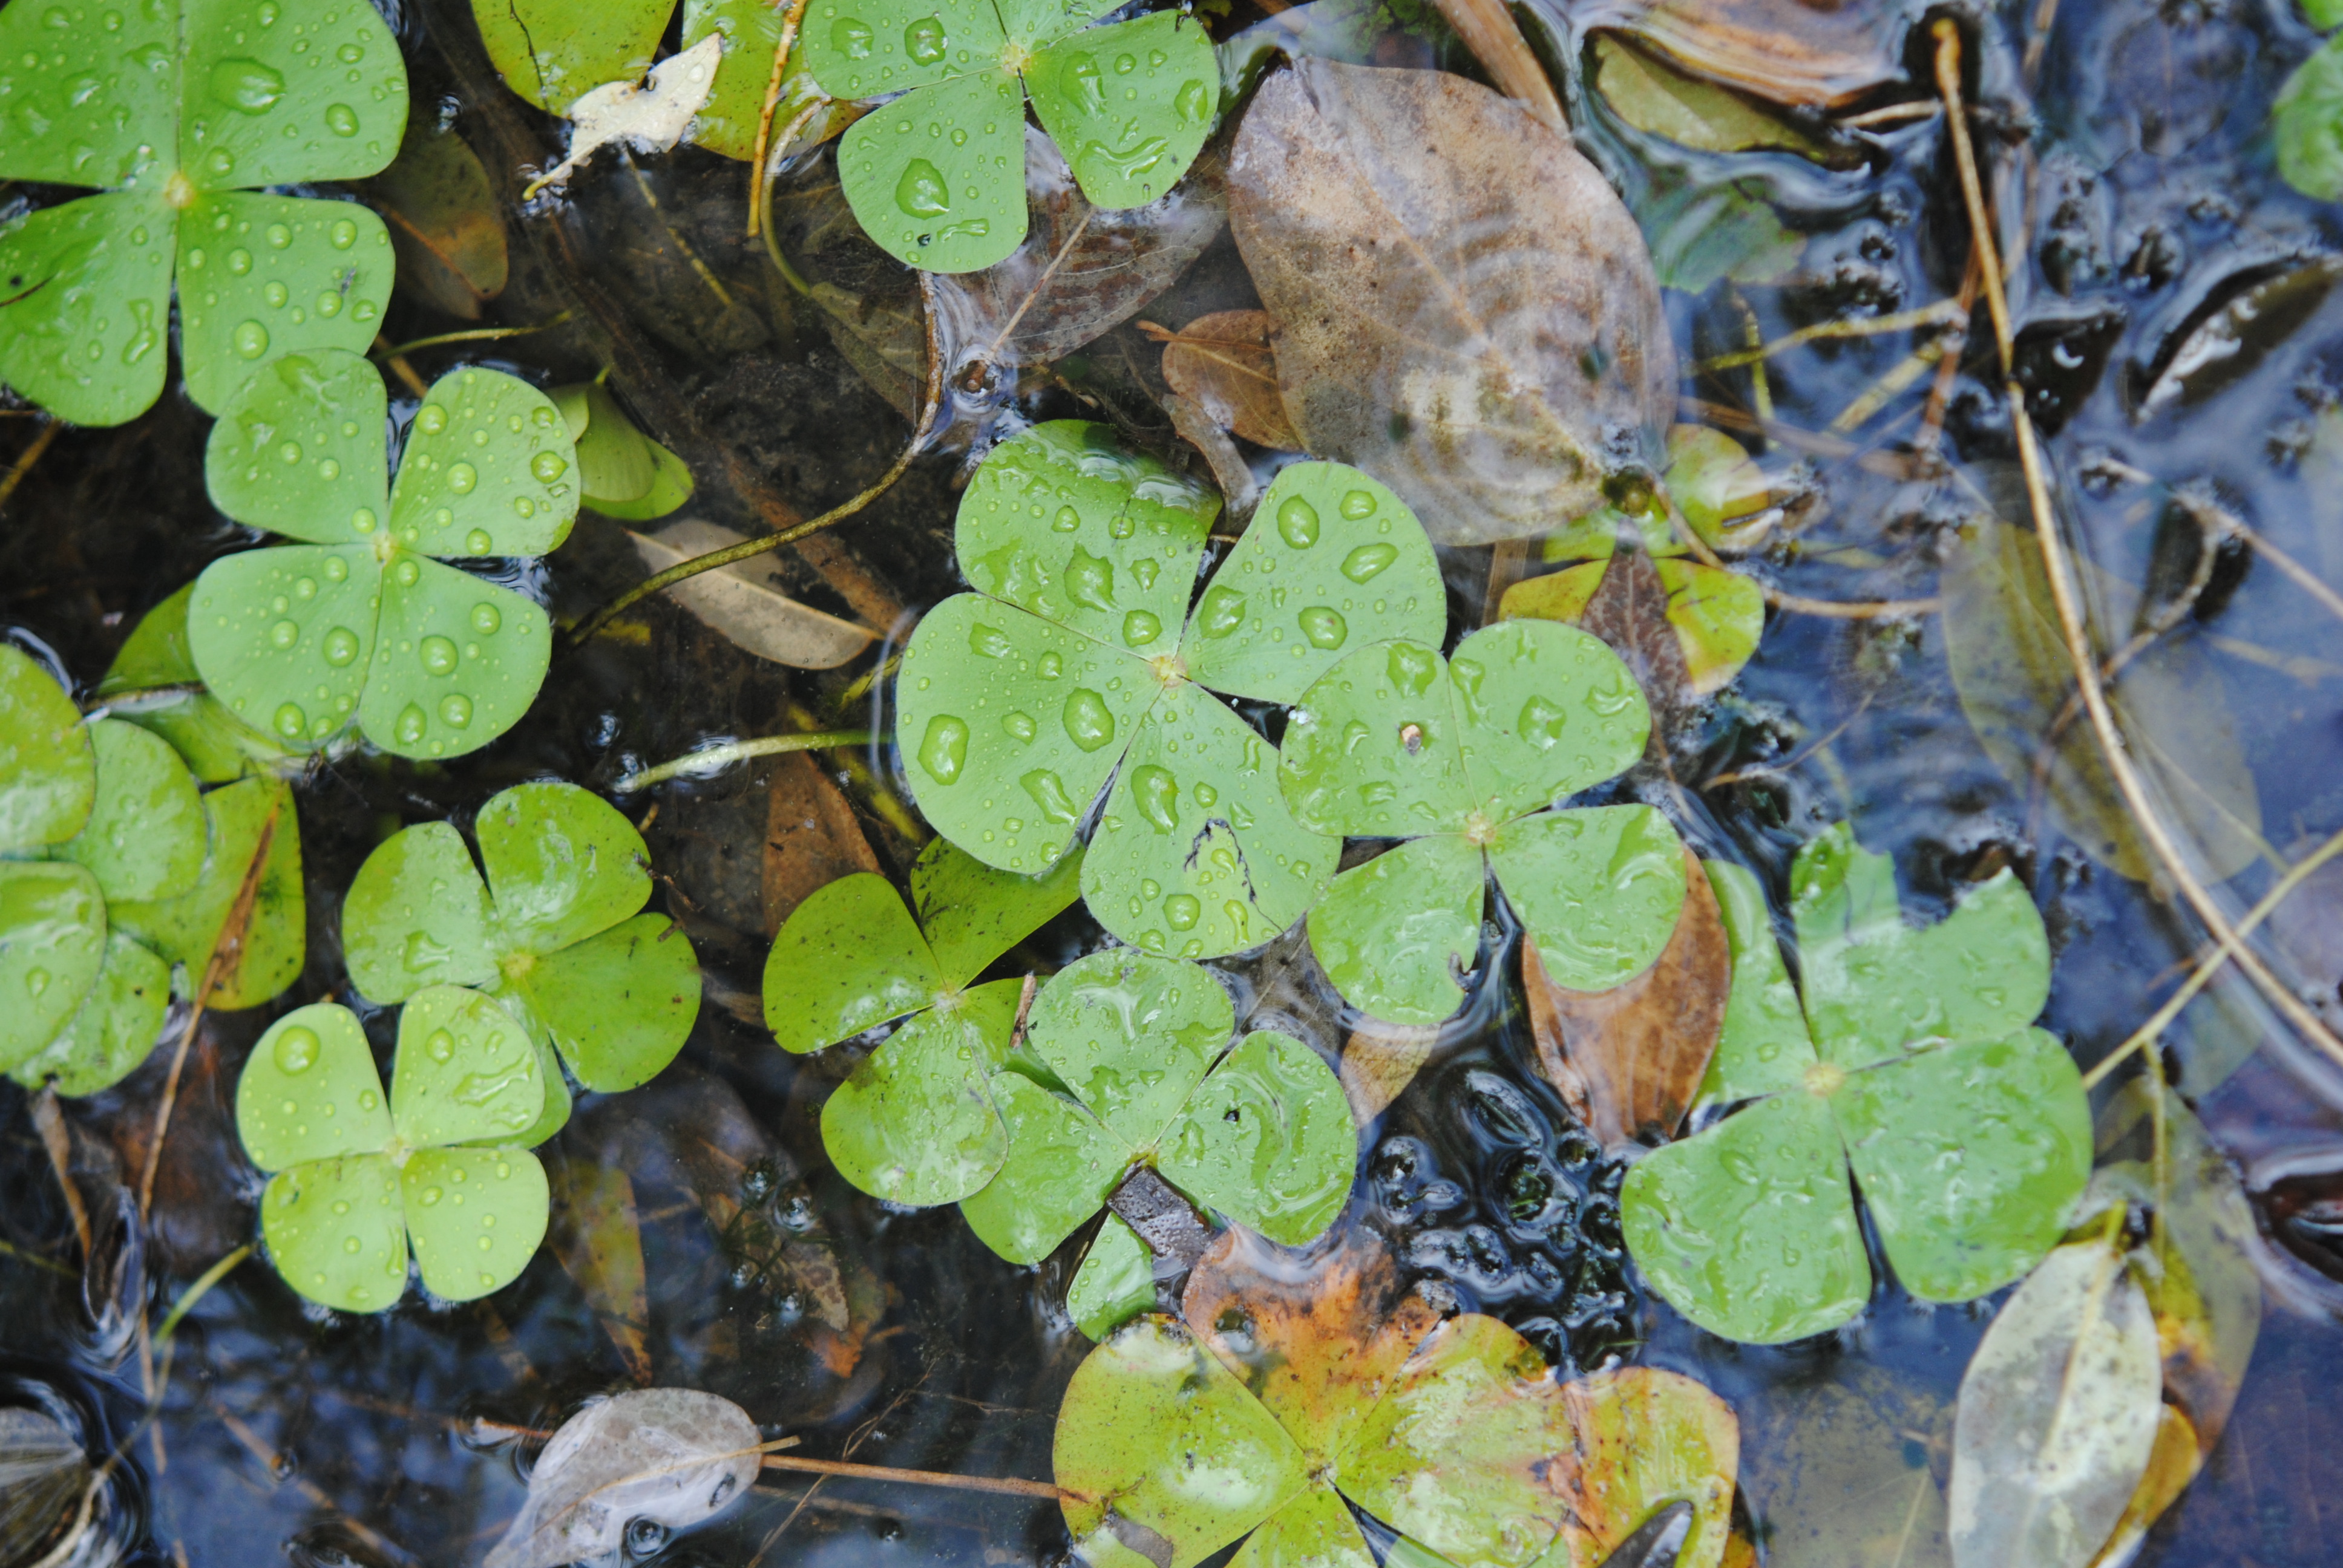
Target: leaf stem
195	1293
760	174
470	334
709	757
1942	312
683	570
767	229
24	464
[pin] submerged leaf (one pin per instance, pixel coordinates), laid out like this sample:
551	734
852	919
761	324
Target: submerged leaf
2057	1416
747	603
1787	51
674	1457
1629	1060
596	1235
1644	1440
1223	361
444	220
1467	311
1837	1472
1653	97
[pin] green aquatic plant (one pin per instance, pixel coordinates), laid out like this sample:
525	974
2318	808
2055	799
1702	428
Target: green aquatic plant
554	933
1911	1068
937	176
1077	659
152	683
179	109
1461	758
1131	1064
1715	615
362	623
2306	118
110	860
621	472
445	1163
916	1122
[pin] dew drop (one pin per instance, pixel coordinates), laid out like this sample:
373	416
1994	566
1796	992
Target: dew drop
296	1049
485	619
547	467
943	749
1324	628
851	38
478	542
1088	719
1222	612
410	726
362	521
328	470
462	478
283	636
1158	795
921	192
923	41
251	340
431	419
456	711
336	569
407	574
341	119
246	85
1182	911
1140	628
1020	726
441	1046
1195	102
290	721
343	234
1049	792
1297	523
438	656
279	236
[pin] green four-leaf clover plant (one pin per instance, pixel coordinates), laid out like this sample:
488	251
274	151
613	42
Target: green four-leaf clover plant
1910	1067
915	1122
113	869
936	177
555	933
1461	758
444	1163
178	109
1077	661
152	683
362	623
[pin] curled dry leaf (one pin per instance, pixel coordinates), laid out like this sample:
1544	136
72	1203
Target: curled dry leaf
745	602
1817	53
1225	364
1629	1060
673	1456
2057	1416
1466	310
650	118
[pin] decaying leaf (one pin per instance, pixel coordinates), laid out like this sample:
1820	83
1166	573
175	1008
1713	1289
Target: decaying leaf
434	197
1629	1060
1837	1472
746	602
1466	310
1820	52
1080	270
1653	97
1224	363
597	1236
673	1456
1644	1440
1701	233
2057	1416
811	837
2172	1465
42	1474
1379	1060
650	118
2010	667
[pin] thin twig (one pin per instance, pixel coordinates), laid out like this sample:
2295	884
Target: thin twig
709	758
196	1292
2161	1019
51	1122
1893	115
747	548
760	174
470	334
1002	1485
1942	312
1949	84
1833	609
2219	520
31	455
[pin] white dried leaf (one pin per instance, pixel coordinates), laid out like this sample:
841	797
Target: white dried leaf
744	602
650	118
673	1456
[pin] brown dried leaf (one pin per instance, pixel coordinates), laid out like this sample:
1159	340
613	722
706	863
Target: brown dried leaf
1378	1061
1317	1346
1629	610
442	215
812	838
1466	310
597	1236
1819	53
1223	362
1629	1060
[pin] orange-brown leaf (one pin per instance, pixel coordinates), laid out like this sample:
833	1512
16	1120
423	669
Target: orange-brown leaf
1223	361
1644	1439
436	200
812	838
1818	53
1629	1060
597	1236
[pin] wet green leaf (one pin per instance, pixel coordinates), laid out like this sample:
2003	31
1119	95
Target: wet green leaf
1061	1165
2307	125
1967	1133
48	770
1650	95
549	52
1019	701
1141	1409
52	945
614	458
360	625
973	913
1131	1036
188	928
915	1122
146	834
848	958
2057	1415
671	485
215	746
1116	1282
1395	740
1267	1140
1129	104
355	1179
752	32
559	937
246	97
118	1024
